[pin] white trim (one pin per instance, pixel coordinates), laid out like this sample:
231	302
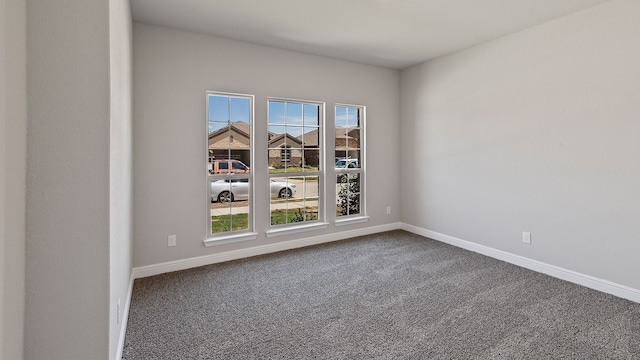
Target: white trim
125	318
296	229
351	220
156	269
589	281
230	239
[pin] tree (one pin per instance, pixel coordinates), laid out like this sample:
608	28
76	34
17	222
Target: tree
349	194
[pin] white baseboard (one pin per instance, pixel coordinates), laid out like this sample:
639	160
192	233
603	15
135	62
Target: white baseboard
541	267
184	264
125	318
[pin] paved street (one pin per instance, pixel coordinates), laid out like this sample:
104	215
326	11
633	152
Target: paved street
239	207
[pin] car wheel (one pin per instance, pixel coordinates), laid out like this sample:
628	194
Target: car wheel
225	196
285	193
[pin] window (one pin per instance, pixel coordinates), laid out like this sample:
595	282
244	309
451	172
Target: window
294	139
285	153
229	177
349	158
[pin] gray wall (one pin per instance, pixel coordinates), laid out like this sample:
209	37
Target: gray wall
173	70
13	125
77	255
120	166
536	131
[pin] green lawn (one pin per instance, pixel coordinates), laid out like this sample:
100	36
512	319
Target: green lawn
241	221
293	215
221	223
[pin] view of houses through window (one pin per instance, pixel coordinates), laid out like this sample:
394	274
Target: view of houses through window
294	160
229	118
294	129
349	156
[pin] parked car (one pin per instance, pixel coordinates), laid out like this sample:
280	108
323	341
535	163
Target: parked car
238	189
228	166
346	164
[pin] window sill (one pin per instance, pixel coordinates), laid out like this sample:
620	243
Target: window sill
228	239
296	229
353	220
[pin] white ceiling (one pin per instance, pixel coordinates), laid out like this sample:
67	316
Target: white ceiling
388	33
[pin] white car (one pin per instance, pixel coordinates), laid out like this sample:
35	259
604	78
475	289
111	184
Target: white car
347	164
238	189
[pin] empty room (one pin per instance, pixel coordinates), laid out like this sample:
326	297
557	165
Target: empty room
367	179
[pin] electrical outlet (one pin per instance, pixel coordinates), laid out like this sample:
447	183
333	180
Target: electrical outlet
526	237
388	210
171	240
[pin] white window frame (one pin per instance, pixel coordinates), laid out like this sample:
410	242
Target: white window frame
211	238
320	223
362	170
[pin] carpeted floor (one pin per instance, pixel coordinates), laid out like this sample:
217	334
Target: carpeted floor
393	295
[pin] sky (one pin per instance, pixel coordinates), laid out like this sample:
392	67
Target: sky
292	117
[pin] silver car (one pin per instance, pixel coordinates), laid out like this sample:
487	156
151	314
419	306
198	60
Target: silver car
238	189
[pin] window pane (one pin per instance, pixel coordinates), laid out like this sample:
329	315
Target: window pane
229	205
229	218
295	162
240	110
352	161
311	160
341	140
293	113
294	199
348	194
275	161
311	115
283	188
341	117
293	211
310	189
297	212
218	108
294	135
275	132
353	138
220	138
216	126
279	212
310	137
352	117
276	112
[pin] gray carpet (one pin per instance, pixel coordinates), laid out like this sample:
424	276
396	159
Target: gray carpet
393	295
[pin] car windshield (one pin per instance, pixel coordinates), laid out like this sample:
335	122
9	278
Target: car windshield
341	163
